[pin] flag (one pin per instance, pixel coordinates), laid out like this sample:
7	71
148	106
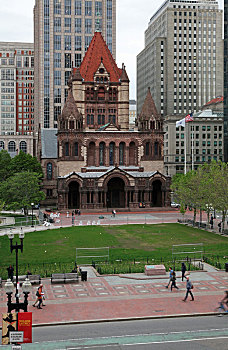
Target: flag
189	118
180	123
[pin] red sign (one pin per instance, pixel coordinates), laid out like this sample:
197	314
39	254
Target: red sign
24	321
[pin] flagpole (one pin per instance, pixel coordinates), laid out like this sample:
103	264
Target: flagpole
185	150
193	130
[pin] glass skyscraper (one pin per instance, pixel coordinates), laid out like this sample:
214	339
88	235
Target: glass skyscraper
63	30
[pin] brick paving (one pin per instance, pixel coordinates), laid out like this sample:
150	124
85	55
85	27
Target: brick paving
116	297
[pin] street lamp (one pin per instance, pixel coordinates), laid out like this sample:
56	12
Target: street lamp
26	286
32	204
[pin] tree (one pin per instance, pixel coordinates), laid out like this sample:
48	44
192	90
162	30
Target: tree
25	162
5	162
20	190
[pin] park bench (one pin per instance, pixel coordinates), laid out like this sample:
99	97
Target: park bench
64	277
34	279
71	277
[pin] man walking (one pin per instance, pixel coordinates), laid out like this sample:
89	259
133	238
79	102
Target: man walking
189	286
170	276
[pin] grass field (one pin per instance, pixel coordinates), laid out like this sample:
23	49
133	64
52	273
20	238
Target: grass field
129	242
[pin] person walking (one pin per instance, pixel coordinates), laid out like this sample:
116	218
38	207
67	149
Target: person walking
10	270
212	222
183	271
40	297
170	276
220	226
173	280
189	287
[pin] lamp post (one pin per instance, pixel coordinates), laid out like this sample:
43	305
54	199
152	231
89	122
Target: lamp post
26	286
32	204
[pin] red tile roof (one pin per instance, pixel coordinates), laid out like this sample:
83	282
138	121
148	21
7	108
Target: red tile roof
215	100
98	51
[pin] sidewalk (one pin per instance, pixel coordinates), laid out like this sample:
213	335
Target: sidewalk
120	298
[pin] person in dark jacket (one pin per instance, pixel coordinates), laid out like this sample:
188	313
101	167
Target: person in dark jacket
189	288
173	280
183	270
10	270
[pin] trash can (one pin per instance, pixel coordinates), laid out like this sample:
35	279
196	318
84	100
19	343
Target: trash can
84	275
226	267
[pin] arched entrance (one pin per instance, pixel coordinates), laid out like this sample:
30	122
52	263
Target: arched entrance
116	193
156	200
73	195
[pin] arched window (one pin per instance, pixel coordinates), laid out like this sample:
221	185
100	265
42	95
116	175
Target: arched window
76	149
49	171
101	153
71	124
11	146
156	149
91	154
147	149
67	149
2	145
23	146
111	153
121	153
132	154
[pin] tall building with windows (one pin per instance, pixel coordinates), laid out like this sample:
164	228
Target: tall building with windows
225	81
182	61
17	97
63	30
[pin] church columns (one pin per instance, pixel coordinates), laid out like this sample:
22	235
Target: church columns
96	156
127	156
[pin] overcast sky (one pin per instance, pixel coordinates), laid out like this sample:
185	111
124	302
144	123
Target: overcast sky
16	24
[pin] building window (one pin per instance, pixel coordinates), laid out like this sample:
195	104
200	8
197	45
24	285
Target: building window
78	43
57	42
57	7
78	59
67	60
49	171
23	146
57	77
78	25
67	7
76	149
71	124
147	149
78	7
11	146
111	153
57	24
88	8
121	153
49	192
67	22
57	59
101	153
88	26
67	41
87	42
67	149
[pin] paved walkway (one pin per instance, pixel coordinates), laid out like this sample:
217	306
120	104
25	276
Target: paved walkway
124	297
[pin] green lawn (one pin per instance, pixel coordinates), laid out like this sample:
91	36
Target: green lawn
58	247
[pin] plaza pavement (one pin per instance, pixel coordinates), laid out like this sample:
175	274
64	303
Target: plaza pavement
122	297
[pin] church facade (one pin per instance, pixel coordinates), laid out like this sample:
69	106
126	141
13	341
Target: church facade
97	161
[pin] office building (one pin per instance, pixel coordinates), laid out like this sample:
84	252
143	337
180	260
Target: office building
132	113
17	97
225	81
182	61
63	30
203	139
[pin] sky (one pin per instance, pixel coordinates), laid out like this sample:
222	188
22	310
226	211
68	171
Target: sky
133	16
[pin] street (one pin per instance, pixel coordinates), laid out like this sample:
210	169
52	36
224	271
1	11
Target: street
198	333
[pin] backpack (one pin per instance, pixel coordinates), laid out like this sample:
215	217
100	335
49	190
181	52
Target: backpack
37	293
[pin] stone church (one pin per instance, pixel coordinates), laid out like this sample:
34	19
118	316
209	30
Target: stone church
93	160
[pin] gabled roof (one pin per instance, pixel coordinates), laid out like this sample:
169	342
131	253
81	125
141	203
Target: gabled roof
70	107
98	52
149	109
